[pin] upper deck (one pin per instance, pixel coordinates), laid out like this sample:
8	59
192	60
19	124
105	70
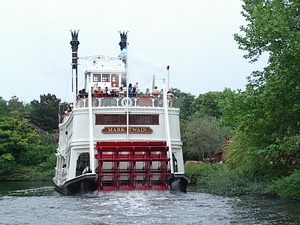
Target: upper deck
115	100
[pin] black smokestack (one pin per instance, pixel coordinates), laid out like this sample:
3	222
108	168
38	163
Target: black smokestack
123	42
74	43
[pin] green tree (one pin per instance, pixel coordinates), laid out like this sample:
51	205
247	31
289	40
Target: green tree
207	104
202	136
230	108
269	108
183	101
3	107
14	104
45	111
16	135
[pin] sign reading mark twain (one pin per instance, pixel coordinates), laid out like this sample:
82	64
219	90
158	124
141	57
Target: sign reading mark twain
134	130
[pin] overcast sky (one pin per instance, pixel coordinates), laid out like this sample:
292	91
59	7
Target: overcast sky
194	37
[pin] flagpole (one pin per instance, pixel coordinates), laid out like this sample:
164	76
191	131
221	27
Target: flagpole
124	56
127	105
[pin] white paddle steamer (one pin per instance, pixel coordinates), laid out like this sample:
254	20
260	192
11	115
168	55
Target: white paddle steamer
114	140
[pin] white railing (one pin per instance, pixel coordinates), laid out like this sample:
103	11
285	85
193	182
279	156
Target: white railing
140	101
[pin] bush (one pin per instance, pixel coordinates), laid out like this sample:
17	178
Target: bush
286	187
221	180
199	172
232	183
6	168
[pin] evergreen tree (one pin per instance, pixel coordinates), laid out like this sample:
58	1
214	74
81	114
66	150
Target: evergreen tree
45	111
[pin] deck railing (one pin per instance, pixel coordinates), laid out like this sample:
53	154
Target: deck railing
140	101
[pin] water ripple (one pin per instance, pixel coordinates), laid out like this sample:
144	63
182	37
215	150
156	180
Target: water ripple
42	205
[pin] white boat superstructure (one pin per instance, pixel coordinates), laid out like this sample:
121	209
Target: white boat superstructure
115	139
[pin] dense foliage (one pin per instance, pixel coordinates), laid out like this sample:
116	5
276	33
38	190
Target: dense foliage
221	180
202	132
271	103
265	117
23	147
45	111
286	187
202	137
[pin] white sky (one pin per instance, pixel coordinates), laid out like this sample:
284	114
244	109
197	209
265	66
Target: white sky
194	37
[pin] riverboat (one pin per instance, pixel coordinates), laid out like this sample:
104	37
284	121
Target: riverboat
114	139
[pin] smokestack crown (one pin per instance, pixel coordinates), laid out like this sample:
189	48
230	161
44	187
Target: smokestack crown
74	43
123	43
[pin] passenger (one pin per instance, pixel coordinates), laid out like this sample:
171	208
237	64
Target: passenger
98	92
84	94
113	93
80	94
155	92
121	92
137	87
147	93
133	92
67	111
161	93
129	89
60	115
169	95
95	88
106	92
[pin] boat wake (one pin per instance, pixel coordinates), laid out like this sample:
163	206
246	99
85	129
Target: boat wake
37	191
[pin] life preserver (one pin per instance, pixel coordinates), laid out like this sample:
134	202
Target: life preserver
126	102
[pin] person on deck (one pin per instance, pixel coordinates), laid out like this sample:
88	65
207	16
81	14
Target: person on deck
129	90
133	92
106	92
137	87
169	95
121	92
147	93
155	92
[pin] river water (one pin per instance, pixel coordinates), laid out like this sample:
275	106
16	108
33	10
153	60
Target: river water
38	203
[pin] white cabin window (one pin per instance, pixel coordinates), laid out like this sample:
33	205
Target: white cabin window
115	80
97	78
105	77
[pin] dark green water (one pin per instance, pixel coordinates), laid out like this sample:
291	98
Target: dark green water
38	203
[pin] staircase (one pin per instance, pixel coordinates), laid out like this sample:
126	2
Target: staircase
132	165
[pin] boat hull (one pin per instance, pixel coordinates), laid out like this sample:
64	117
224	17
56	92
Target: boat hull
79	185
88	183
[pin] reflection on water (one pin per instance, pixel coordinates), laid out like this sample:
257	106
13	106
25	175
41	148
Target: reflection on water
35	203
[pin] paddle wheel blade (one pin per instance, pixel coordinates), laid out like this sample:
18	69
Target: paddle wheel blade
132	165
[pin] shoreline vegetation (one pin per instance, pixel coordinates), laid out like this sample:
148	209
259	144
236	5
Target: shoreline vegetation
209	178
221	180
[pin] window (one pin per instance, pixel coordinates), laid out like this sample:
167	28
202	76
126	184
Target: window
115	77
97	78
139	119
105	77
107	119
134	119
147	119
115	119
115	80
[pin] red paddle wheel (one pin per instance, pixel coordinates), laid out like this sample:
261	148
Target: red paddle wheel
132	165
